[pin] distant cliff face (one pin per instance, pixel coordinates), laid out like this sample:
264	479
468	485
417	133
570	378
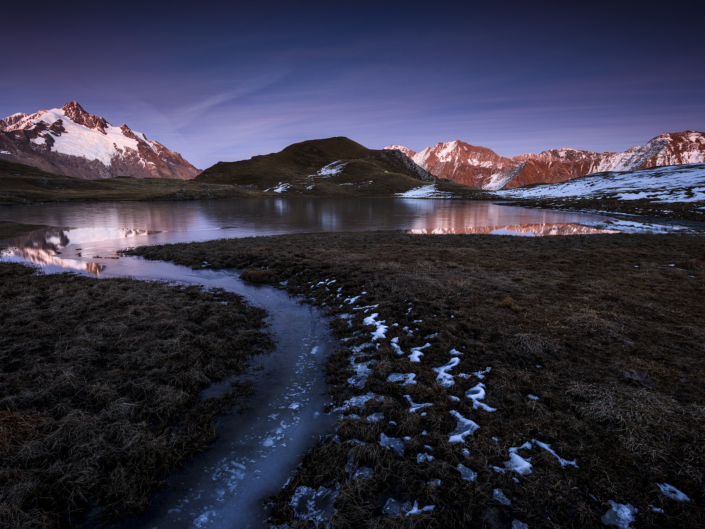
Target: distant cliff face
70	141
481	167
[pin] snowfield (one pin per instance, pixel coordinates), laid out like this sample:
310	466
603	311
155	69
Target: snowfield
79	140
676	183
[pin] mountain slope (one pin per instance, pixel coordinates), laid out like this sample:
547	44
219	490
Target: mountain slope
676	191
481	167
327	167
72	142
24	184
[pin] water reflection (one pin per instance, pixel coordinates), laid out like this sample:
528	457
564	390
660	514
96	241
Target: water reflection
104	228
531	230
264	216
43	246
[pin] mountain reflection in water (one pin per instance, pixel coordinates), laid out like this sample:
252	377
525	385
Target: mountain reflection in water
42	246
530	230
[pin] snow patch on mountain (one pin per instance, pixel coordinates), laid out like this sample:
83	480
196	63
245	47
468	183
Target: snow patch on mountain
71	141
429	191
483	168
78	140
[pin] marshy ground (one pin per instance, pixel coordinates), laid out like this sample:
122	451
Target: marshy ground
596	346
100	388
688	211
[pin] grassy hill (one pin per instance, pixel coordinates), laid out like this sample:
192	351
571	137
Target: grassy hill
332	167
22	184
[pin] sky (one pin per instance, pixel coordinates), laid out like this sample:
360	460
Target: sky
224	83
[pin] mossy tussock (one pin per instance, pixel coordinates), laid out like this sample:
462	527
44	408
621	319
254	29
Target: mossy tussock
100	389
618	334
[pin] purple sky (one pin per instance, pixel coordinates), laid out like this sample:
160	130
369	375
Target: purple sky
225	84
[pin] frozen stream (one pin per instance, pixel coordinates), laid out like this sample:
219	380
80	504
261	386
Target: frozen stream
258	450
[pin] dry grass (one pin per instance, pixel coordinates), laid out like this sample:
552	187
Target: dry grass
619	335
366	173
100	389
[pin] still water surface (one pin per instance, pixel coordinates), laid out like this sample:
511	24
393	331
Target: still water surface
89	232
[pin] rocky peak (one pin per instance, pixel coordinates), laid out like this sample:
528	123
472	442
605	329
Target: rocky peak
482	167
78	115
11	120
405	150
127	132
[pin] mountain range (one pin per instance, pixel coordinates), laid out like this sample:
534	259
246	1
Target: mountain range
483	168
72	142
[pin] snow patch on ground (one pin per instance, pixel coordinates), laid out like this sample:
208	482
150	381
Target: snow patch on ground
405	379
444	379
332	169
416	353
415	407
517	463
464	428
500	497
380	331
620	515
477	394
672	492
678	183
466	473
429	191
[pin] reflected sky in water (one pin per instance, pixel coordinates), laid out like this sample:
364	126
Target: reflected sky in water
260	216
95	231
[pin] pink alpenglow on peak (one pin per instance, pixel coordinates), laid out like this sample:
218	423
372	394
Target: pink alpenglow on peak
70	141
483	168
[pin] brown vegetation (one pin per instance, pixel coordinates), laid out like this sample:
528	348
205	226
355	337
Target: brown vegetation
615	322
366	172
693	211
100	389
23	184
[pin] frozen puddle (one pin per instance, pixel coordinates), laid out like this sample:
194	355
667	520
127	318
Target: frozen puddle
258	450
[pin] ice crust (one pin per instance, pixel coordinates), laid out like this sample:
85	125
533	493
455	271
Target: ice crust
620	515
464	428
672	492
443	378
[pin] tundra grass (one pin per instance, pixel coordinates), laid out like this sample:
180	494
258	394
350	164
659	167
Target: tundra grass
607	331
100	389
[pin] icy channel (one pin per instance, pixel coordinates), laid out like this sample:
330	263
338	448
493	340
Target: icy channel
256	451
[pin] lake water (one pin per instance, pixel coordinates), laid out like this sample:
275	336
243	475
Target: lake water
90	232
257	450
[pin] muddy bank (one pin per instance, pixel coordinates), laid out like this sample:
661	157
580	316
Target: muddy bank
100	389
542	380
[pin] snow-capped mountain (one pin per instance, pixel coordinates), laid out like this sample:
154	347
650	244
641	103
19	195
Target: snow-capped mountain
70	141
483	168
